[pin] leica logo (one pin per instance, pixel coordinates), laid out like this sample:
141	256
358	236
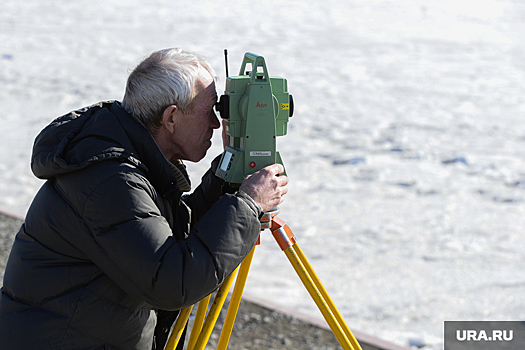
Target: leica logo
261	105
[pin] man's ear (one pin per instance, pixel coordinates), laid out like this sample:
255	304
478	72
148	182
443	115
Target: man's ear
170	117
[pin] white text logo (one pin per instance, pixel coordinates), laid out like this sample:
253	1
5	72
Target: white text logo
473	335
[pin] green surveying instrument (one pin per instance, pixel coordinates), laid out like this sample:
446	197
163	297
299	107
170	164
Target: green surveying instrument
256	108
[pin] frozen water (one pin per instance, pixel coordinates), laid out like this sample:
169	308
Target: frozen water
405	154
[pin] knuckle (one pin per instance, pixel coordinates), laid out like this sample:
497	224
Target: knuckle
264	172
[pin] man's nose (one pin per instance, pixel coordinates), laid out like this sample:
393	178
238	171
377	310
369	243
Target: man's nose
214	121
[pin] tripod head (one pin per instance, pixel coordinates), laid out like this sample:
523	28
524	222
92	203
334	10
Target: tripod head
256	109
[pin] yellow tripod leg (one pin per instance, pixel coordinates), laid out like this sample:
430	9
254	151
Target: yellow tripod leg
199	321
235	301
286	240
182	319
326	297
214	312
318	299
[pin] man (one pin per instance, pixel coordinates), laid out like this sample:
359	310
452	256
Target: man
111	248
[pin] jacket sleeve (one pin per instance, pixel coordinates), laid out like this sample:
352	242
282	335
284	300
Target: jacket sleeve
207	193
133	243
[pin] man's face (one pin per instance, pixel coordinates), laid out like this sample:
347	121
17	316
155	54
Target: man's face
194	131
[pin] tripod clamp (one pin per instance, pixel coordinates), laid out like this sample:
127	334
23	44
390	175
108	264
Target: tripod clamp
280	230
267	218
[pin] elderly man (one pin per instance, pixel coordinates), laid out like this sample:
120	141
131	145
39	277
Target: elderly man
111	248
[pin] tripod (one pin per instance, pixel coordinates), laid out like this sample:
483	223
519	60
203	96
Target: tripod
203	325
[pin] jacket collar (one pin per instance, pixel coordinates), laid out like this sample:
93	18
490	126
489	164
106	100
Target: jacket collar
148	154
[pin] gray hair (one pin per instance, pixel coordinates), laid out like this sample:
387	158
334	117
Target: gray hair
167	77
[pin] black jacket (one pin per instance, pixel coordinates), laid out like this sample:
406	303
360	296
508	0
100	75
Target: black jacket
109	238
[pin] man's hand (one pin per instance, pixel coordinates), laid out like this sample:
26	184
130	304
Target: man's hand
265	187
225	141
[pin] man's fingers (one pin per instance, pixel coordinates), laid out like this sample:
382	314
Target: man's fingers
283	180
265	186
285	188
225	141
275	169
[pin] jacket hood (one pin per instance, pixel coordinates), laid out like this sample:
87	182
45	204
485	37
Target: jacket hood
97	133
